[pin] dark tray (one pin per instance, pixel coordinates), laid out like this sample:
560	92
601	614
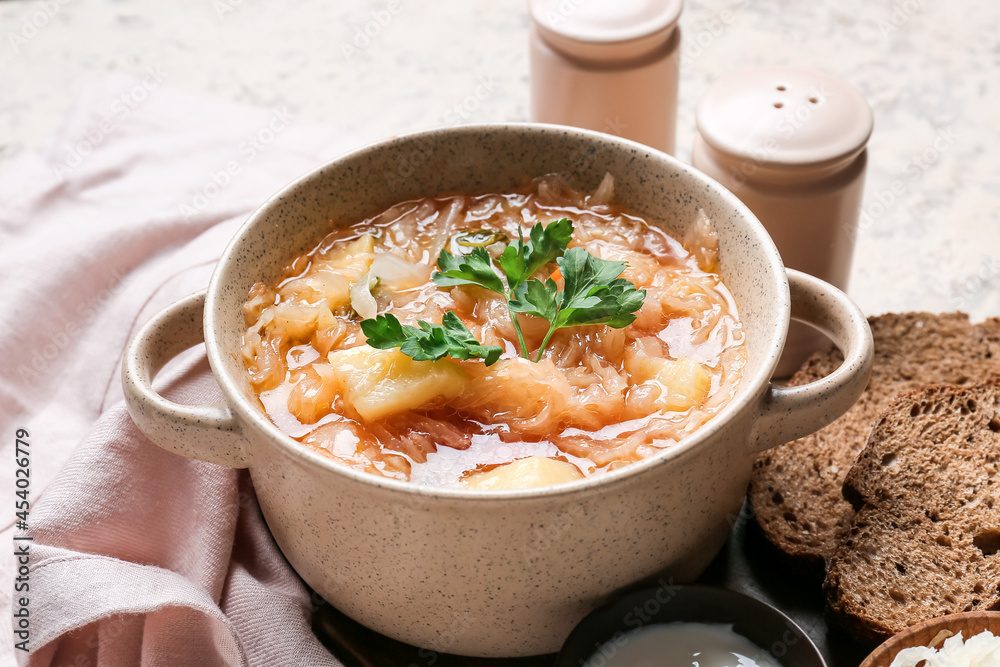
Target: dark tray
747	563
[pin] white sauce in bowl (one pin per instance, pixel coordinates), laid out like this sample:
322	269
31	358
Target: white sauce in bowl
682	645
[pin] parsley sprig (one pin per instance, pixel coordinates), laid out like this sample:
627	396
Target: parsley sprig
429	342
518	261
593	293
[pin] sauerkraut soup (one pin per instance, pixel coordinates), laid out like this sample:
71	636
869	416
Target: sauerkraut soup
378	351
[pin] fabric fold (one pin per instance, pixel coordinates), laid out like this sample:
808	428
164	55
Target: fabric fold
138	556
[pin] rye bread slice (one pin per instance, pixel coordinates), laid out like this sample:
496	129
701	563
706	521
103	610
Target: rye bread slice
926	539
795	489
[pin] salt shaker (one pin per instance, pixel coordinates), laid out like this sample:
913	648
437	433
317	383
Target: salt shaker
607	65
790	143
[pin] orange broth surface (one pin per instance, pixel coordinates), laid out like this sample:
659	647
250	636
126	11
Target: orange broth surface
599	398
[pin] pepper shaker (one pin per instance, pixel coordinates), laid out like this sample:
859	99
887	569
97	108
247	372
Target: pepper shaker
790	143
607	65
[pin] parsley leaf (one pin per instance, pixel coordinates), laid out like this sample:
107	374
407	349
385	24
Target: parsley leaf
521	259
430	342
476	268
615	307
537	298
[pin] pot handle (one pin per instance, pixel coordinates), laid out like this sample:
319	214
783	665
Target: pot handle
789	413
206	432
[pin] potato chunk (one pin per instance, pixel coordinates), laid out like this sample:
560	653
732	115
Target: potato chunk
297	322
321	284
526	473
377	383
682	383
353	260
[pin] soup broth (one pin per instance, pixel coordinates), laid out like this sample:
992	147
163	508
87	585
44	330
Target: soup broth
598	398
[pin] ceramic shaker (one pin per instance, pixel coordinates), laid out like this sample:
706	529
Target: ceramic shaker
790	143
607	65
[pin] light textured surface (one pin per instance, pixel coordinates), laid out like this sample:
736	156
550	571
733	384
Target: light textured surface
931	238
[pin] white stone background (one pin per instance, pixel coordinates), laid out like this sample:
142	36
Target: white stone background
925	67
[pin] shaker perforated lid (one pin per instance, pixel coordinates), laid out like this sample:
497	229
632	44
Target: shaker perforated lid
625	27
784	117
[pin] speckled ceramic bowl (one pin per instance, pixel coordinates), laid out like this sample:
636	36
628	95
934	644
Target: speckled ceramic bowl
495	573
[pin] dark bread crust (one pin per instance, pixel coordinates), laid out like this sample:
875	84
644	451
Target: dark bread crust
795	489
926	540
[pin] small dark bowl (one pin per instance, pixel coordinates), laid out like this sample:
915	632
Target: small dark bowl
761	623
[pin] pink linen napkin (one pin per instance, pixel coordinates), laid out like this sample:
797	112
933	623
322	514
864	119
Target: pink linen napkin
139	556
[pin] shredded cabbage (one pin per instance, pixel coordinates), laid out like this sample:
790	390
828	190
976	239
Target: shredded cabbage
396	273
982	650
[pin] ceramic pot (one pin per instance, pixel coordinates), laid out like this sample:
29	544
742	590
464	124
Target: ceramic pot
495	573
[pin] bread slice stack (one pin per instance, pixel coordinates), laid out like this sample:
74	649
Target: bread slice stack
925	541
896	498
795	489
